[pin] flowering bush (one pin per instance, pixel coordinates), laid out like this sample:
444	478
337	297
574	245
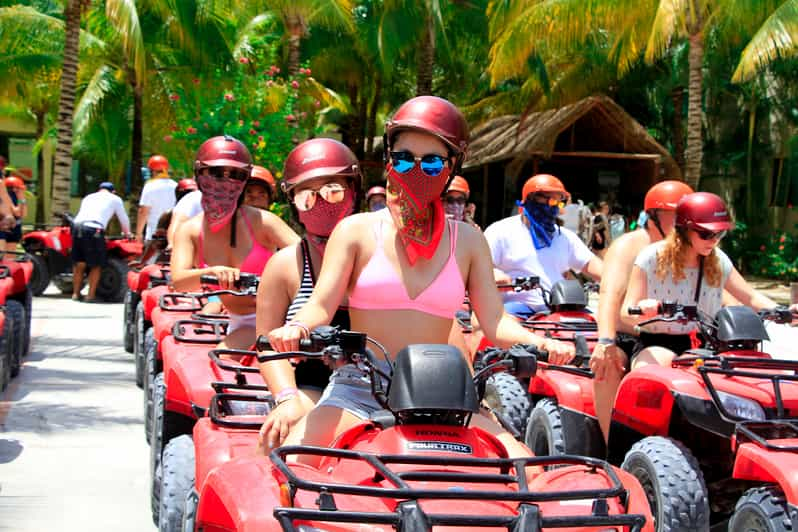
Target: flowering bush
268	112
777	258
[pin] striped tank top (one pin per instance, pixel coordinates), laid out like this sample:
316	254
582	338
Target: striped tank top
305	286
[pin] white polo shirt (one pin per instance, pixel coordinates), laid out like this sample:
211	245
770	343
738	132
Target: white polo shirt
189	205
98	208
159	195
514	253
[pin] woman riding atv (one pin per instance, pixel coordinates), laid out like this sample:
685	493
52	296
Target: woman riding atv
322	180
405	270
686	268
228	238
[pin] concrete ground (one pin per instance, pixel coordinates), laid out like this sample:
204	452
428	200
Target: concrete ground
72	448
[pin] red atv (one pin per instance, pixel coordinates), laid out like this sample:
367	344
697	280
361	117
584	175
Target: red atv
7	341
713	439
417	464
51	250
151	269
18	305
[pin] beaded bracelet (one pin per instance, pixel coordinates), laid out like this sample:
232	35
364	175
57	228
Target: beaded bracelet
285	394
300	325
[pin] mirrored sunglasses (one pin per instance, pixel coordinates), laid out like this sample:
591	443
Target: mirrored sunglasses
225	172
431	164
331	193
709	235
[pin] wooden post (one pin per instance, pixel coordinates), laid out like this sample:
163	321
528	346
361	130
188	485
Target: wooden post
485	203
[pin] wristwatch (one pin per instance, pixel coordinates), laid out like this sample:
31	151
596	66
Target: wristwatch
604	340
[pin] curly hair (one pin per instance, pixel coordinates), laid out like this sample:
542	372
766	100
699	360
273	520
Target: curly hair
672	256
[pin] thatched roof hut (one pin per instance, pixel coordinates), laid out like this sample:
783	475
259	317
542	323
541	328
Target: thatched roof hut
593	145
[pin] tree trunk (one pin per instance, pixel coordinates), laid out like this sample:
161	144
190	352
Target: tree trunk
694	152
362	119
66	107
137	140
426	59
677	96
40	192
371	128
296	28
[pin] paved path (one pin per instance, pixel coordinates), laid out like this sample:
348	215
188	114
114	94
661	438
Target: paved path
72	448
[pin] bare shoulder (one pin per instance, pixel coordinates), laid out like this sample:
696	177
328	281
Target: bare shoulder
284	264
354	226
629	244
470	236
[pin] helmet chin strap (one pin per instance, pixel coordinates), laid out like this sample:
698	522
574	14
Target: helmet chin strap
655	218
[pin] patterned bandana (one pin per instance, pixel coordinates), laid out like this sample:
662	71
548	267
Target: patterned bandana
416	208
320	221
219	199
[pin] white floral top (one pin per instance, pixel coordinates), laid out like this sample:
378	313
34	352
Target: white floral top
683	292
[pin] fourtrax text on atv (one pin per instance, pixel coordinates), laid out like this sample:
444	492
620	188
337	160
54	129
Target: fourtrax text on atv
417	464
51	249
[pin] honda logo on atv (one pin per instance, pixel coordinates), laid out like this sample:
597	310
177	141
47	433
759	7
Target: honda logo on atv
439	447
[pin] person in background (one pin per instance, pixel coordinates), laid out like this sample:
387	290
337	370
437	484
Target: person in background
88	236
260	188
617	223
19	209
455	202
7	219
616	342
187	207
157	197
600	239
531	243
375	199
570	214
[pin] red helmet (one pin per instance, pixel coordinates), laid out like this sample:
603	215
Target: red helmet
186	184
666	195
14	182
223	150
319	157
433	115
262	175
543	183
158	162
703	210
459	184
373	191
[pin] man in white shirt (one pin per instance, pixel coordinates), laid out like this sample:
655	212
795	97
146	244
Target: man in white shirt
88	236
188	207
157	197
533	244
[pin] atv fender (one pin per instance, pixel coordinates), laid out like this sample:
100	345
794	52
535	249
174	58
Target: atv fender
46	240
759	464
570	391
216	445
21	273
188	377
151	296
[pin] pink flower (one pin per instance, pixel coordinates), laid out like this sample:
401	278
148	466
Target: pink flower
240	122
174	97
252	131
269	83
277	69
168	138
295	84
256	123
260	138
762	247
173	127
191	130
781	248
290	118
196	81
317	103
229	97
307	72
303	114
243	60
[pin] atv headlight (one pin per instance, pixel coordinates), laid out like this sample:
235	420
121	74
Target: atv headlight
741	407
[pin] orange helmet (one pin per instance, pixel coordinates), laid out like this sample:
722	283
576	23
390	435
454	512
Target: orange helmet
14	182
263	176
666	195
158	162
459	184
543	183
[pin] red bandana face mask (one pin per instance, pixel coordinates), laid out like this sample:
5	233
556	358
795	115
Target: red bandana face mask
219	199
416	208
320	221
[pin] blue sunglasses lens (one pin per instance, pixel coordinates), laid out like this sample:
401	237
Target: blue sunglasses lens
432	165
403	164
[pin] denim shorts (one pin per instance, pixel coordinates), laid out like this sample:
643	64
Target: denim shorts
350	389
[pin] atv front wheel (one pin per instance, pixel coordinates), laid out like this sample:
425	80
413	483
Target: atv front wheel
762	509
156	440
150	372
673	482
177	480
142	333
41	274
113	280
544	432
512	397
15	313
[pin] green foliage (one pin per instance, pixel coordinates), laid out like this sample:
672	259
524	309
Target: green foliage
777	257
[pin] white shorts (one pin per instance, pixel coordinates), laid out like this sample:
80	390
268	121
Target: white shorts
240	321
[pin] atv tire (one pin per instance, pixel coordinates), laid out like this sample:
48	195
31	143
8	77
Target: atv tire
150	372
673	483
156	444
113	280
6	353
27	302
177	481
142	331
129	317
545	435
40	279
512	397
762	509
15	312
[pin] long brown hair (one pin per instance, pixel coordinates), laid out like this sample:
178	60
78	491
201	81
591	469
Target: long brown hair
673	255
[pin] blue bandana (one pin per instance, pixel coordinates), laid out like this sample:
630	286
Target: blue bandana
542	220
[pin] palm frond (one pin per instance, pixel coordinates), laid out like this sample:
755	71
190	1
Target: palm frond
777	38
103	84
125	18
669	22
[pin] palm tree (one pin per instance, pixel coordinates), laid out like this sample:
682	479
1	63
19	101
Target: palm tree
635	28
776	38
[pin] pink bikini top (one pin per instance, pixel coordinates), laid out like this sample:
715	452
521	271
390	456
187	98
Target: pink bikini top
256	259
380	288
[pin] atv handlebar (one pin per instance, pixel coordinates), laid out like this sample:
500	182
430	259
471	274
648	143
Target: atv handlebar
520	284
777	314
247	284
